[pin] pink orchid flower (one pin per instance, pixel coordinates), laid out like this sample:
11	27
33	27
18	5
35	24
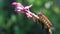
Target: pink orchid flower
21	9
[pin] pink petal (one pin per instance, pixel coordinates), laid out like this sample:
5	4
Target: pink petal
20	5
19	8
27	7
14	3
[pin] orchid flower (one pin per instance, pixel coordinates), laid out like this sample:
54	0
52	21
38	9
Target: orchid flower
21	9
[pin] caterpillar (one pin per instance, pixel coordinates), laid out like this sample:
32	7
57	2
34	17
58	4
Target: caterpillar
45	22
44	19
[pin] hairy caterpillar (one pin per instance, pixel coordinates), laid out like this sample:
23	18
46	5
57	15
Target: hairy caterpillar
44	19
45	23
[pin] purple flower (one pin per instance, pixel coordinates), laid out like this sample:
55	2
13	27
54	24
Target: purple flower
21	9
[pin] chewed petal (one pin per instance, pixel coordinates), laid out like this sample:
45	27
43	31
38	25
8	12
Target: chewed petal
28	15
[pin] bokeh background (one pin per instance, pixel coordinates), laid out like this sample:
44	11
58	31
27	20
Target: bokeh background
14	23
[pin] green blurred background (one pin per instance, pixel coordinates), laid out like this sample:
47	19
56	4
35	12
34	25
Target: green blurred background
14	23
